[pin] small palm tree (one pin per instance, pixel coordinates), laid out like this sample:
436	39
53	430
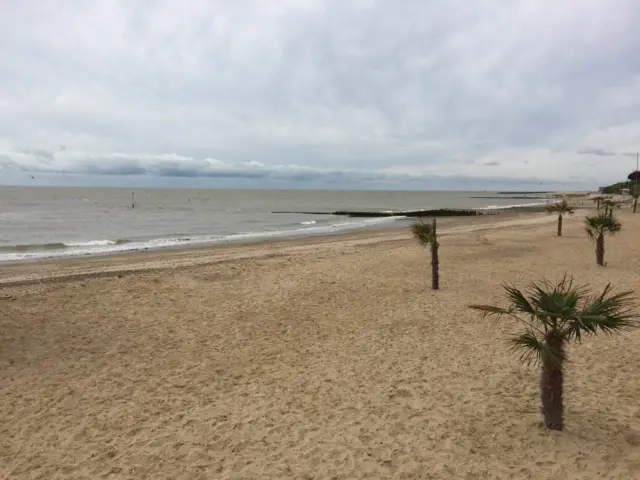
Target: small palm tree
609	204
553	316
561	208
597	200
425	233
635	193
596	226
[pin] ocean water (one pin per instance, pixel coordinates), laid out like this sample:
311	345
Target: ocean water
48	222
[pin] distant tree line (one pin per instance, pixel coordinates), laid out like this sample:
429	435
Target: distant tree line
632	179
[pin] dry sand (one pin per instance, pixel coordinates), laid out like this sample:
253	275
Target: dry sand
321	358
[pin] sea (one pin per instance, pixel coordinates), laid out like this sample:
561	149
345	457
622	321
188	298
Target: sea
55	222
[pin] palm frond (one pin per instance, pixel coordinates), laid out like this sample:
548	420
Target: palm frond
533	350
614	226
423	232
596	224
519	300
497	313
518	305
560	207
563	309
592	233
594	221
490	310
552	303
556	299
604	313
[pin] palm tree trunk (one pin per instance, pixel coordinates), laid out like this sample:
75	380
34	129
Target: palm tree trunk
551	385
635	204
435	274
598	204
600	249
435	263
560	225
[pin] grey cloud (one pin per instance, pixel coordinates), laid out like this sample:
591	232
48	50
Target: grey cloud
38	152
125	166
595	151
179	171
331	85
489	163
100	170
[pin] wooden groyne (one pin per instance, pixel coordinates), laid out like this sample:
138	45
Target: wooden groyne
440	212
522	197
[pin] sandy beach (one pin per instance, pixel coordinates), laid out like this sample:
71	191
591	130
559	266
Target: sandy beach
318	358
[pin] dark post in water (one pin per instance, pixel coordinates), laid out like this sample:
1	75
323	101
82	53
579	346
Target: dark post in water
133	199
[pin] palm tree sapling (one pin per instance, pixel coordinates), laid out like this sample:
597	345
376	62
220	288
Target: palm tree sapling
635	193
596	227
561	208
609	205
554	315
597	200
425	233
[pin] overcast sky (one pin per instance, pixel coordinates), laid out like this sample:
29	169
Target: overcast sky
320	93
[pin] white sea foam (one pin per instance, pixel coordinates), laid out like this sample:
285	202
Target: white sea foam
505	207
103	247
91	243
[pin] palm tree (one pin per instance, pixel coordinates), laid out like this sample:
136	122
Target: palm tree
554	315
597	199
635	193
425	233
609	204
606	203
596	226
561	208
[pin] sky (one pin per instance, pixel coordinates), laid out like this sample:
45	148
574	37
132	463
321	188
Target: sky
404	94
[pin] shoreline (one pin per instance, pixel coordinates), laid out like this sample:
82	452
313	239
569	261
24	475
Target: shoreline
365	221
22	272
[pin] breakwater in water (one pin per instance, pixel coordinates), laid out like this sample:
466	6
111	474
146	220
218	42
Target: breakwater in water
439	212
